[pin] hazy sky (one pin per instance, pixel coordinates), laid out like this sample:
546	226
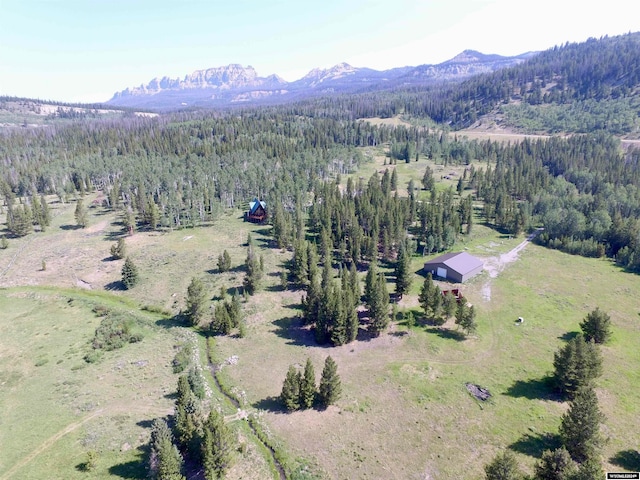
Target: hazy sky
85	50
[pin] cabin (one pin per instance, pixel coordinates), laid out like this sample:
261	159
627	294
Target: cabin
257	212
456	266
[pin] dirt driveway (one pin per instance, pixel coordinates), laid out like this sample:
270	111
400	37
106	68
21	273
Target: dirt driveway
494	265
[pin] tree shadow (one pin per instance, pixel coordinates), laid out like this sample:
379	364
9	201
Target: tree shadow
534	444
568	336
270	404
178	320
112	236
115	286
399	334
627	459
71	227
236	269
534	388
292	329
134	469
275	288
145	423
447	333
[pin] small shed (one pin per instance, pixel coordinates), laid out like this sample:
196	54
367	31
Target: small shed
455	266
257	212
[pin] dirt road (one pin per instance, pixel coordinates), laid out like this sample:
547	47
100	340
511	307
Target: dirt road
494	265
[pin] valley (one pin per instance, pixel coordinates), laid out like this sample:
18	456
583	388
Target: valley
155	325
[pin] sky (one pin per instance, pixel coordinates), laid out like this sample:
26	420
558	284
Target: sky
86	50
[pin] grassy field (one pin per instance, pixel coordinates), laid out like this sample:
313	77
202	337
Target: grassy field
404	412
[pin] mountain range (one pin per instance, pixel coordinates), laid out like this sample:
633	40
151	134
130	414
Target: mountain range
235	84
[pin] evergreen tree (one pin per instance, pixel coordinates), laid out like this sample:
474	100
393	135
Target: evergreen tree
330	387
4	243
119	249
196	302
217	446
20	220
354	282
187	417
130	275
403	272
224	262
152	215
590	469
253	277
81	214
596	326
379	308
449	304
165	461
554	465
430	299
466	318
308	386
311	302
503	467
576	365
352	322
299	265
370	284
290	394
45	212
580	426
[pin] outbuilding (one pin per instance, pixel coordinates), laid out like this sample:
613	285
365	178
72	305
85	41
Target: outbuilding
454	266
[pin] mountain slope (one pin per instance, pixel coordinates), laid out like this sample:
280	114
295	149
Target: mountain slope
234	84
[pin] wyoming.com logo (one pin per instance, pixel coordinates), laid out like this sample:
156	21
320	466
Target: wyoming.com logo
626	476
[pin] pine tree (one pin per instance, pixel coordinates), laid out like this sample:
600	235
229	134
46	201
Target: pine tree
330	386
217	446
503	467
165	461
152	215
299	272
119	249
253	277
596	326
20	220
554	465
465	317
403	272
576	365
224	262
580	426
379	309
354	283
370	285
81	214
196	302
130	275
590	469
45	212
424	298
308	386
290	394
449	304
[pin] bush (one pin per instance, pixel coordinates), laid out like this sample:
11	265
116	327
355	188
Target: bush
114	332
182	359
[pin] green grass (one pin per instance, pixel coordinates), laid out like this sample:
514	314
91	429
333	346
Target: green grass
404	413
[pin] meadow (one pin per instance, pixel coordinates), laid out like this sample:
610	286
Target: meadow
404	413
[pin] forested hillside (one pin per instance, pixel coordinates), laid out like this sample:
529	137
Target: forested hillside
579	87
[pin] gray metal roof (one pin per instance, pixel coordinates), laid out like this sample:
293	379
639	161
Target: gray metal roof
461	262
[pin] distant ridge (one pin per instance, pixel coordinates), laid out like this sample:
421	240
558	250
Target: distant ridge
234	84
